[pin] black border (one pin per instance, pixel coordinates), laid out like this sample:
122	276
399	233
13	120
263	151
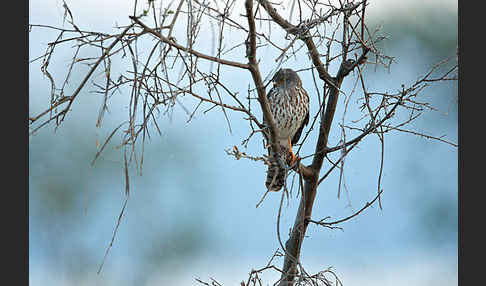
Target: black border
15	140
471	104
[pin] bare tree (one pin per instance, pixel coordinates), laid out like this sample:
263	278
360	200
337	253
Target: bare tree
220	36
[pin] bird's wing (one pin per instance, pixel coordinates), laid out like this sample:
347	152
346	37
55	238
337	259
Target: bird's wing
297	134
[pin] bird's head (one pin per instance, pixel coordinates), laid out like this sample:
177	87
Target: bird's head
286	77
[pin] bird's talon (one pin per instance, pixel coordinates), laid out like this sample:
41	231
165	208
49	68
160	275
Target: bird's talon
293	158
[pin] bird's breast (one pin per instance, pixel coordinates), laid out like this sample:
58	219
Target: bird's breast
289	107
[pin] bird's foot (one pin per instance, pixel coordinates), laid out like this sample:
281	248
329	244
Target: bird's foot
293	158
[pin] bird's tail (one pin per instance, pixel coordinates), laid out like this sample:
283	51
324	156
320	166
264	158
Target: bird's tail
276	175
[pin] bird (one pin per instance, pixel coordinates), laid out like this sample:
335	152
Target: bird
289	105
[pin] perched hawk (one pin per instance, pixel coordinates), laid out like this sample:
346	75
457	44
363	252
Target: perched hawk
289	104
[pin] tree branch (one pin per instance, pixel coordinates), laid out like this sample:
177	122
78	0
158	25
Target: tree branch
294	243
105	53
257	79
304	36
188	50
